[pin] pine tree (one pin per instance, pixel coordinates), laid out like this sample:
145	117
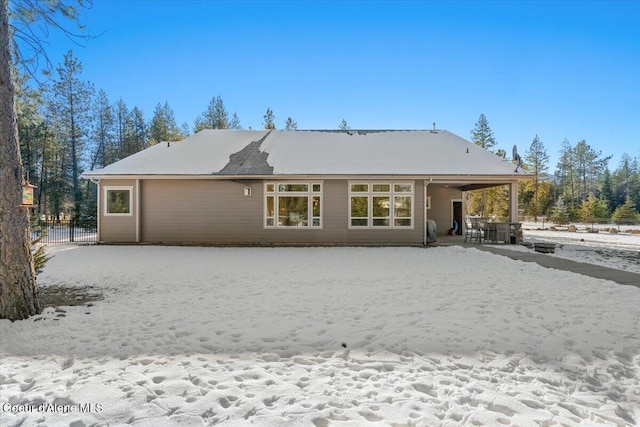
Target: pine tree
593	210
290	124
139	133
52	181
565	171
184	130
626	180
31	127
627	213
482	135
123	127
163	125
579	169
606	189
103	133
269	119
214	117
73	106
221	117
19	295
537	159
589	164
234	123
560	212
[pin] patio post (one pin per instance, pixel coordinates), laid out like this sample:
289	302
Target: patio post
513	202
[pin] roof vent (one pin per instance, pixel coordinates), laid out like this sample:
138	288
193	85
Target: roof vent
434	128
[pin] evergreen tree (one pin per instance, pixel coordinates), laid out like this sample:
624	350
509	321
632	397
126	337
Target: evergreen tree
234	123
589	164
139	133
73	106
592	210
560	213
221	117
124	130
548	191
606	189
579	170
104	138
537	159
482	135
627	213
30	127
19	294
163	125
566	172
185	130
269	119
290	124
626	181
52	181
214	117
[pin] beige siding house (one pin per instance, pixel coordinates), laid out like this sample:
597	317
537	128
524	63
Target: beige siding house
233	187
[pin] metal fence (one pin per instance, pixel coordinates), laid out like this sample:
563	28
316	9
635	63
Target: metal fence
53	232
632	221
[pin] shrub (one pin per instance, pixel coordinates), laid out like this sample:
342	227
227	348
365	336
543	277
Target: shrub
40	257
626	214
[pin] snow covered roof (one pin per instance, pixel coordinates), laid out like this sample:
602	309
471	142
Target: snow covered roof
261	153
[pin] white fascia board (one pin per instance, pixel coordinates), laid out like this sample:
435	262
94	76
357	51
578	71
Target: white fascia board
441	179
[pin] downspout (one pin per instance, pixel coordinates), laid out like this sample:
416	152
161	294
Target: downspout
98	207
137	210
426	216
99	212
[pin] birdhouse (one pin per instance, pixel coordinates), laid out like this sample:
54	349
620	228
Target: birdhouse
27	194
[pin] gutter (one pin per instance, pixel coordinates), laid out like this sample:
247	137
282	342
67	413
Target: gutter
443	179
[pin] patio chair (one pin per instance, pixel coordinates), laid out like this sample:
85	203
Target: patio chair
471	231
482	224
502	232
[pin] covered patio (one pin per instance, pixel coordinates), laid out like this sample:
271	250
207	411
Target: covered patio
471	227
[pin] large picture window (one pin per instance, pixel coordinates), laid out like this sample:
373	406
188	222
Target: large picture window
118	201
379	205
293	205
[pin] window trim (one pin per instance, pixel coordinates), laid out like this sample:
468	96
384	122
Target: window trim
118	188
370	194
275	193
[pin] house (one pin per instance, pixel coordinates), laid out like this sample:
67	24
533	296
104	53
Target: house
227	187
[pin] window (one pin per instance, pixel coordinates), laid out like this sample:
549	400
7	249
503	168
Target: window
293	205
380	205
118	201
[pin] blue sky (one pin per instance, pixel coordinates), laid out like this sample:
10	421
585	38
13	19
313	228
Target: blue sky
556	69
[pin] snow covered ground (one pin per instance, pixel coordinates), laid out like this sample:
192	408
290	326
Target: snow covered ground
620	250
322	336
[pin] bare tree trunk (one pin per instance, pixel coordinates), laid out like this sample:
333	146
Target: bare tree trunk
19	296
